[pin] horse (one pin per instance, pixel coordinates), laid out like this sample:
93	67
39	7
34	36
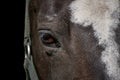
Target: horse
75	39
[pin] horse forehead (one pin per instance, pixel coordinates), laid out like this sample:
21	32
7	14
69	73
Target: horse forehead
51	8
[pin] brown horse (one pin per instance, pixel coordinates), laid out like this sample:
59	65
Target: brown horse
75	39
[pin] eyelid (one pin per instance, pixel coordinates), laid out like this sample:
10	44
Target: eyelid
43	32
46	31
53	32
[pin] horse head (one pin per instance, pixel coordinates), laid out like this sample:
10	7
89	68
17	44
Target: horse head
75	39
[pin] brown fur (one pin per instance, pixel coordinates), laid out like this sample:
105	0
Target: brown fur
78	58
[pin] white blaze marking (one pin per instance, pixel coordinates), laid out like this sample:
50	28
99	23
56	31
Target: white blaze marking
103	15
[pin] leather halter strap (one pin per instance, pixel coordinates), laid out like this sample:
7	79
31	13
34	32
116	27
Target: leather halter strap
28	60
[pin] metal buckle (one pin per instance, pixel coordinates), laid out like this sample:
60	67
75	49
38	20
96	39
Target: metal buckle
27	44
30	70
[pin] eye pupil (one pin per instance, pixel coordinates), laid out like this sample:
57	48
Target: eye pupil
47	38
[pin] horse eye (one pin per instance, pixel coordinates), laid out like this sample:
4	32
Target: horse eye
48	40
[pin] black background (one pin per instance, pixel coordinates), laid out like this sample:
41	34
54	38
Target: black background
19	26
12	34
